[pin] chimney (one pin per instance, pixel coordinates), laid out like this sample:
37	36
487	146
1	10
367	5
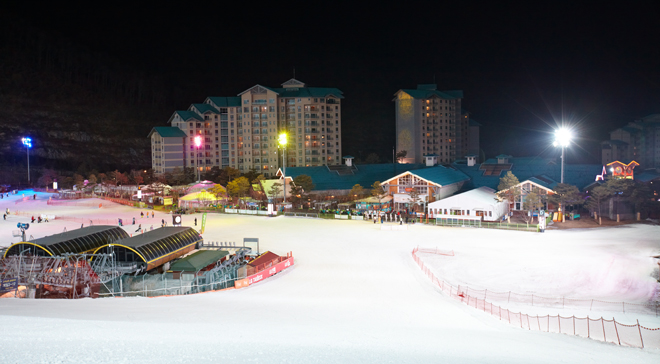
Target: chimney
471	160
348	160
431	160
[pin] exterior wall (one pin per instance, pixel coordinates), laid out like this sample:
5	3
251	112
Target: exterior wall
448	190
407	111
166	153
430	126
245	136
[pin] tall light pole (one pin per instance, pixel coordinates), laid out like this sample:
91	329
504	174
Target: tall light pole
562	139
198	143
27	141
282	143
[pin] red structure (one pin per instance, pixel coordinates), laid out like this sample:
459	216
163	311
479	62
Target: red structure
622	170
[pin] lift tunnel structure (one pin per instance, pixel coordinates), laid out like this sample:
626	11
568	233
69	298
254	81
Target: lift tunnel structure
154	248
83	240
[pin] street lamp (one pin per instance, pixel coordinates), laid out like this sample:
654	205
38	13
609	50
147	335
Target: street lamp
28	144
562	139
282	143
198	143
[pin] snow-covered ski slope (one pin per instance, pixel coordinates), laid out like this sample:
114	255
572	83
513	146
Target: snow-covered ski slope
353	296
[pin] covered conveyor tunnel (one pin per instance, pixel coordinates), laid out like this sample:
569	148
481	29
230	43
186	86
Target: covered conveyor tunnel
154	248
83	240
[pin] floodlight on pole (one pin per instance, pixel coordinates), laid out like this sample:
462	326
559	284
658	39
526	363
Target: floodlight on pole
27	142
282	142
198	143
562	139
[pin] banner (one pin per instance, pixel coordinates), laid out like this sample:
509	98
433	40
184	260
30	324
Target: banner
167	201
8	284
203	222
260	276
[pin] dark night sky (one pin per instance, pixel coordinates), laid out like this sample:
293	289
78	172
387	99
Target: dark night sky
522	68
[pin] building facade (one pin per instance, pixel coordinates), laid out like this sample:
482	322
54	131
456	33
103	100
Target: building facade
242	131
166	148
429	121
639	141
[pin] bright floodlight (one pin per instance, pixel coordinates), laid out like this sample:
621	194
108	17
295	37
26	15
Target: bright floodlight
282	139
198	141
562	137
27	142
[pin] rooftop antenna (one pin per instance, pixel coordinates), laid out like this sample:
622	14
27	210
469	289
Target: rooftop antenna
294	72
434	78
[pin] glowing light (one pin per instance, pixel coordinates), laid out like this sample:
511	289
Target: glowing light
282	139
563	137
27	142
198	141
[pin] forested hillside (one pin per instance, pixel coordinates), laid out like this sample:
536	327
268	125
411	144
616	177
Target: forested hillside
82	109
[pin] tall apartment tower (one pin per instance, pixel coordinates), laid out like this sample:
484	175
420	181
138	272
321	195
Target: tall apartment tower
638	141
242	132
429	122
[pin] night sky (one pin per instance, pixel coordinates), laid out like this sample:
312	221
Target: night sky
523	69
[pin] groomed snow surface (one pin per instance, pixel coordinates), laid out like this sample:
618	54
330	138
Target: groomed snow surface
354	295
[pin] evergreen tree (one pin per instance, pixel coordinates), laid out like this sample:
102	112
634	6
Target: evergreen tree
597	197
356	192
508	189
533	202
305	182
377	191
566	195
275	190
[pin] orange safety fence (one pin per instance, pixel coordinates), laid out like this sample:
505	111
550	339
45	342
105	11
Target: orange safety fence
610	331
557	302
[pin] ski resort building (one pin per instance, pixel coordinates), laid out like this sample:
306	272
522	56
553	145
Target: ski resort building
339	179
83	240
242	131
154	248
480	202
430	184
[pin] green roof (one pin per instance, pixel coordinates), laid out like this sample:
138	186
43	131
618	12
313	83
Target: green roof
440	175
187	115
547	170
344	177
202	108
647	176
198	260
168	132
232	101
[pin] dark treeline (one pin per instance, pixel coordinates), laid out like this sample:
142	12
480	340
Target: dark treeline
28	51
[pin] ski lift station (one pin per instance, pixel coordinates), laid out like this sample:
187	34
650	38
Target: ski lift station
84	240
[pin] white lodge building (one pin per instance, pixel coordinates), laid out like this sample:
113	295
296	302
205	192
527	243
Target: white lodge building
477	203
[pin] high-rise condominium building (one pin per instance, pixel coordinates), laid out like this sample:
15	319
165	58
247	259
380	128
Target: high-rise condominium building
638	141
242	131
429	122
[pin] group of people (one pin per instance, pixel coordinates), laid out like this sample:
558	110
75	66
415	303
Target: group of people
142	215
39	219
394	217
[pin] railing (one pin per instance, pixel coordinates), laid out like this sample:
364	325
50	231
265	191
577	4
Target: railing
464	221
600	329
